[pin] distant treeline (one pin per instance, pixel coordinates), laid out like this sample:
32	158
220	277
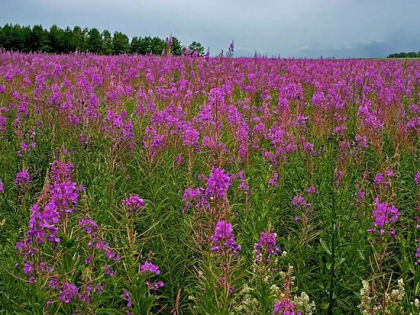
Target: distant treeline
411	54
58	40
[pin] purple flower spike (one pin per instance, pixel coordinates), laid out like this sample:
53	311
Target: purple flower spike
147	266
133	203
223	238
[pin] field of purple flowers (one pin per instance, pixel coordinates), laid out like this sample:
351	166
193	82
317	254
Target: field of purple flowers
197	185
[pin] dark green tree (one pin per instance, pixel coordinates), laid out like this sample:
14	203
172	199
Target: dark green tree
197	48
135	45
108	48
145	45
39	39
58	40
79	38
157	45
69	41
120	43
94	41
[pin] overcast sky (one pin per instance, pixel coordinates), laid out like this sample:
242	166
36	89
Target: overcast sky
300	28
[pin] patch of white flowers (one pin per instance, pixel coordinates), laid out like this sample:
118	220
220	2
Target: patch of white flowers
303	304
273	277
371	303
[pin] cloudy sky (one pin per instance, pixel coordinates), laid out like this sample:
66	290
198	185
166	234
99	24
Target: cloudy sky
300	28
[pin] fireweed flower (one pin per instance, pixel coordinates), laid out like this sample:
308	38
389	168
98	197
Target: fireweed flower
418	242
242	183
379	179
285	307
266	247
99	288
360	142
86	294
311	190
1	187
28	268
384	215
133	203
48	304
88	225
154	286
147	266
360	196
69	290
389	173
191	195
273	181
118	128
3	122
418	252
191	135
179	160
299	201
224	239
301	204
108	271
61	171
417	178
54	284
218	184
64	196
23	179
308	147
384	178
127	297
44	222
339	176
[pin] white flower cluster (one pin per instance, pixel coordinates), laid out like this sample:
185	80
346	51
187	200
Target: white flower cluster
272	277
303	304
370	302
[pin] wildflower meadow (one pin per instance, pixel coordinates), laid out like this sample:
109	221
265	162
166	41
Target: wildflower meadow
208	185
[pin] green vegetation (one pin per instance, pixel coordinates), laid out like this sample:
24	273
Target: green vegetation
58	40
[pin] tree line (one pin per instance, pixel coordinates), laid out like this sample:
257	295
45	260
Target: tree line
58	40
411	54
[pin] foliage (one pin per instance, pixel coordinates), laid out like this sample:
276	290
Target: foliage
58	40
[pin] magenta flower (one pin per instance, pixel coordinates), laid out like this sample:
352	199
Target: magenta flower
360	196
417	178
147	266
154	286
379	179
311	190
133	202
300	202
191	136
285	307
86	294
61	171
266	247
223	238
88	225
273	181
384	215
28	268
23	179
127	297
1	187
69	290
218	183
